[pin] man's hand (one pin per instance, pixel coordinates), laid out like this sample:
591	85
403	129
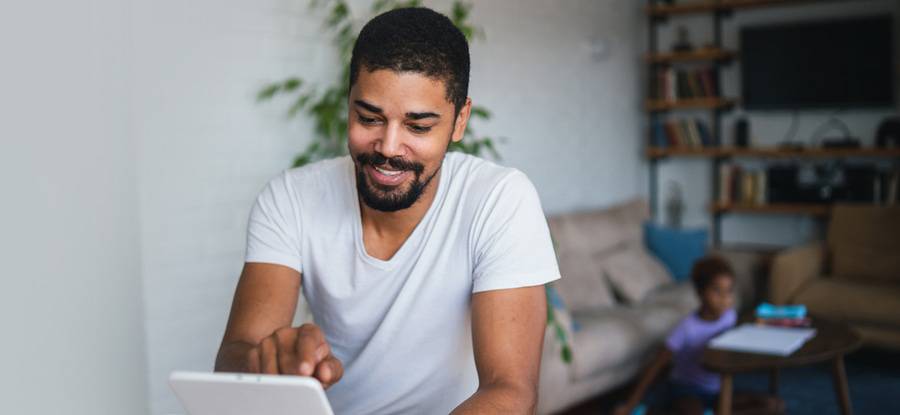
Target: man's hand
300	351
259	337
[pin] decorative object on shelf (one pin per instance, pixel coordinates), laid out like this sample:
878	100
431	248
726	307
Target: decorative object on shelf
682	40
674	205
888	134
742	133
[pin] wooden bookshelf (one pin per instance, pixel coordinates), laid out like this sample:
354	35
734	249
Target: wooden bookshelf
689	103
817	210
658	153
699	55
661	10
771	152
706	6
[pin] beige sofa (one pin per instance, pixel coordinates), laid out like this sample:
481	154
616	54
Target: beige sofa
616	335
853	277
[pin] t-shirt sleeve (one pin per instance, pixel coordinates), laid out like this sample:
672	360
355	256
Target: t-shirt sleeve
273	230
512	240
675	341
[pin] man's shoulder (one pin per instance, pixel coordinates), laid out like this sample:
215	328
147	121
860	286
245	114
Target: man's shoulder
477	174
328	171
312	181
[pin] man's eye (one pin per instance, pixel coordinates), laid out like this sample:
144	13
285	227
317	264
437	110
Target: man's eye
366	120
419	129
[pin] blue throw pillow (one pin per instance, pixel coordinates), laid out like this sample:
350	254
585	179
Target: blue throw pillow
677	249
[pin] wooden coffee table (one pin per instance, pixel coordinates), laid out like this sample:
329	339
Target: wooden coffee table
832	341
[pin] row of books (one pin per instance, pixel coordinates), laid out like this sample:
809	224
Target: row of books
738	185
682	133
673	84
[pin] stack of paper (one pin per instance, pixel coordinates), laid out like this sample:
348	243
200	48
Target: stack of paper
779	341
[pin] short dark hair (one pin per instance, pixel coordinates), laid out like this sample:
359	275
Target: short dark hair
415	39
708	268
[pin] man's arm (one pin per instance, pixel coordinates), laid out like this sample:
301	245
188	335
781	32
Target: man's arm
507	335
264	301
259	337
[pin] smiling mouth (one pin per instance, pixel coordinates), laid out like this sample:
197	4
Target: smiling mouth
387	172
385	176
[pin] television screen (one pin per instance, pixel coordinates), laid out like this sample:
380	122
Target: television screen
842	63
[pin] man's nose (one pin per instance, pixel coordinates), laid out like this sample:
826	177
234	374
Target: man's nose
391	144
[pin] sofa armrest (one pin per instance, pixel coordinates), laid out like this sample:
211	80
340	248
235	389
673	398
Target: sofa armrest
794	268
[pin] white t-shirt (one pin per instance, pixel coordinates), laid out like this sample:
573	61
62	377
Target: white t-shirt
402	327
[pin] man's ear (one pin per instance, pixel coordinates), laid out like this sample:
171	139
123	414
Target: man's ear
459	126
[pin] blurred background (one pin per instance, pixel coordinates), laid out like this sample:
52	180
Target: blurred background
133	148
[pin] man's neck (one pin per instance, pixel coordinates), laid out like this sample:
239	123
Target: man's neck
396	226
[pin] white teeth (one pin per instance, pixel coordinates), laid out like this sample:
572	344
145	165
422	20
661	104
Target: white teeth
388	172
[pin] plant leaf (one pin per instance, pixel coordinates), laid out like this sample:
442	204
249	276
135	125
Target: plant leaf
268	92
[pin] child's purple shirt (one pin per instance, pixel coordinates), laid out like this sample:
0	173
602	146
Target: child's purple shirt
687	342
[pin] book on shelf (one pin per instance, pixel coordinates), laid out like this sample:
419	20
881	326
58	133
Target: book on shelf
672	84
682	133
739	186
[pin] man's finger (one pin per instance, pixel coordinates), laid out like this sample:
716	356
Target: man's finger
329	371
268	360
287	357
309	342
252	360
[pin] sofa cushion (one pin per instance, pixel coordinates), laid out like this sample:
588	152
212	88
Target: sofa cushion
583	286
864	241
599	231
582	242
633	273
677	249
853	302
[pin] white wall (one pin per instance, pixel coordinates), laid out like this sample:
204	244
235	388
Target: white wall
70	298
564	81
767	128
205	148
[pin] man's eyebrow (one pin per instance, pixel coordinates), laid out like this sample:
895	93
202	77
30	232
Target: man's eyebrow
421	115
369	107
411	115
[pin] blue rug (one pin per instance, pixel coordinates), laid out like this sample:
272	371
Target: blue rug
873	376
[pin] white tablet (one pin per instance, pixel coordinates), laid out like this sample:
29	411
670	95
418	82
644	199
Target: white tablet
204	393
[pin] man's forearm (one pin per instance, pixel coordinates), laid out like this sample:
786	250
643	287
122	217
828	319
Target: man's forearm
500	399
232	357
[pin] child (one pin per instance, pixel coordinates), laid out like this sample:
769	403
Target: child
692	389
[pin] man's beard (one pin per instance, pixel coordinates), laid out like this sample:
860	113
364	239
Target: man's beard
389	198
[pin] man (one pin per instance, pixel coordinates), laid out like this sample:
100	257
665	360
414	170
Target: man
424	270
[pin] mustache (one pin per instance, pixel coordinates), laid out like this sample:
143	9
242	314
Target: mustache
396	163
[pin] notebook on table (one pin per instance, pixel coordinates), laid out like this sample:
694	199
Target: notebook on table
750	338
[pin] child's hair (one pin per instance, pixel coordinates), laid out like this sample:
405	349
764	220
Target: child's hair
706	269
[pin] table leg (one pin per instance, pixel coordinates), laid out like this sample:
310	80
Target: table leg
773	381
841	389
725	394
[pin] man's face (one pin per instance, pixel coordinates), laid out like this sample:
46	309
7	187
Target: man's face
400	125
